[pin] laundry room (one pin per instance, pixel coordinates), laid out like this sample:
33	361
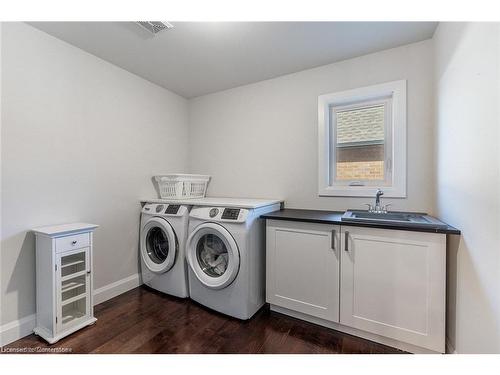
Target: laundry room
250	186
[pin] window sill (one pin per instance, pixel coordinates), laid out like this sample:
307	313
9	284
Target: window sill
361	191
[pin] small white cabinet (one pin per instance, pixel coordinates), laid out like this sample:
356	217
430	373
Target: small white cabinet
302	267
393	284
63	279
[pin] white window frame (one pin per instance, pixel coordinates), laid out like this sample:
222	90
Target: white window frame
395	186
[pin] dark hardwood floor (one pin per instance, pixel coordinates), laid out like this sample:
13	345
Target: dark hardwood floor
145	321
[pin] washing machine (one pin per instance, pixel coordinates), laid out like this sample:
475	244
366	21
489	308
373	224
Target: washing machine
226	256
163	234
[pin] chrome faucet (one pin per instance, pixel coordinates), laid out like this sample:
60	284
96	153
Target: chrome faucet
379	209
377	199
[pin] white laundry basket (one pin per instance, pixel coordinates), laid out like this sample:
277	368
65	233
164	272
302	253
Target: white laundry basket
182	186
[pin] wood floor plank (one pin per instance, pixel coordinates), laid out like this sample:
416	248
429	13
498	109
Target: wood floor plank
146	321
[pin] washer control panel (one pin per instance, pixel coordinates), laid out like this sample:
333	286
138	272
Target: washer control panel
165	209
172	209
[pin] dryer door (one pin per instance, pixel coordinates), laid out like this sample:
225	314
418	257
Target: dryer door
213	255
158	245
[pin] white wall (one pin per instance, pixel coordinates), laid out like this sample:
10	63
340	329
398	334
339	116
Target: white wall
468	179
81	138
260	140
80	141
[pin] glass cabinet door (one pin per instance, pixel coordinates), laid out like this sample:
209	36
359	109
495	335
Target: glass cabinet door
73	288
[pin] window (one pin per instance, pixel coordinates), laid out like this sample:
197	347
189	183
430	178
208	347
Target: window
362	141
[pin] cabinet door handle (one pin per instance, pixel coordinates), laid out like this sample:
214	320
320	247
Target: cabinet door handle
346	241
333	239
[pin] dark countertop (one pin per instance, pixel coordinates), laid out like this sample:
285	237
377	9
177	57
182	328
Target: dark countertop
334	217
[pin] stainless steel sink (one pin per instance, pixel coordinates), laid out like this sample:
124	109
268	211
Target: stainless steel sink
408	219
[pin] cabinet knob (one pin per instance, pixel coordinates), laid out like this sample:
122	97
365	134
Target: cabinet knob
73	242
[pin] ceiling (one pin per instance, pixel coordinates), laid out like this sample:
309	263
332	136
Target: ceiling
197	58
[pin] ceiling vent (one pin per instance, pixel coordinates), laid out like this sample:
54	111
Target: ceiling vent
154	27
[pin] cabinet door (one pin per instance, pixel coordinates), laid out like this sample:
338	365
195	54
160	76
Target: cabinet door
302	267
393	284
73	288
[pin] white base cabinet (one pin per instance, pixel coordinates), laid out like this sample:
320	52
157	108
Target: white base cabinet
302	267
63	279
389	284
393	284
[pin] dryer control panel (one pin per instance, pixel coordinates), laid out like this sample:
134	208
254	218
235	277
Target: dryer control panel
230	213
221	214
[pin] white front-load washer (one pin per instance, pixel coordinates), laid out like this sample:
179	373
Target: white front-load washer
163	235
226	256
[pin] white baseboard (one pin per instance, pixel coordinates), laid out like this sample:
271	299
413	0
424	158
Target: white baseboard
449	348
17	329
115	289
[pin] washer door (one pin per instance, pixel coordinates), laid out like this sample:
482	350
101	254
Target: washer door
213	255
158	245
